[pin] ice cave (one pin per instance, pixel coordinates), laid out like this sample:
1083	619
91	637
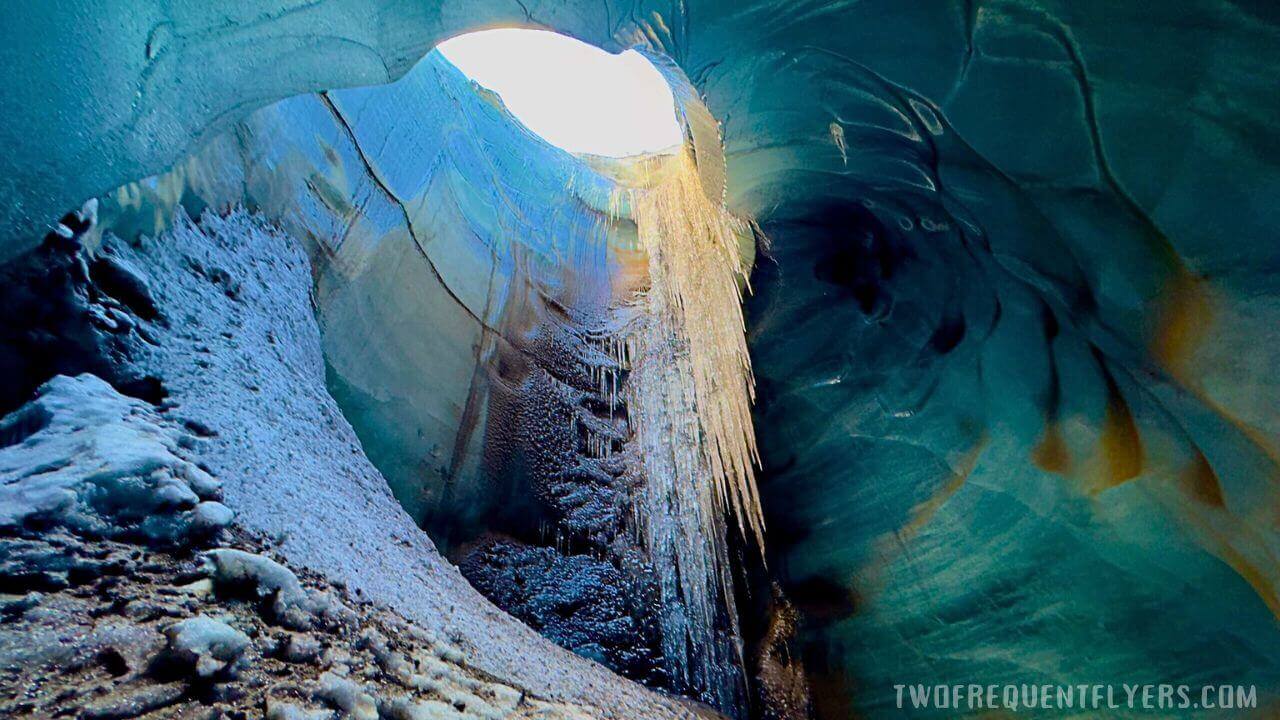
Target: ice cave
921	363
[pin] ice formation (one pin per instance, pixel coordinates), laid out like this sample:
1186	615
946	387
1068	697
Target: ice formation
693	329
1013	344
688	395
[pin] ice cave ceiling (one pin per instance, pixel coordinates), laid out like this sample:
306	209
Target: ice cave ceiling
1014	326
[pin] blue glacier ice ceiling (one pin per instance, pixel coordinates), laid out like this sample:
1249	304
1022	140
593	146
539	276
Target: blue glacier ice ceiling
1014	320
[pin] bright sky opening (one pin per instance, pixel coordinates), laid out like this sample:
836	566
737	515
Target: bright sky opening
576	96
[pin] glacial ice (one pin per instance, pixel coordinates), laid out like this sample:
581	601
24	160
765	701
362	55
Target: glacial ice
492	256
1015	336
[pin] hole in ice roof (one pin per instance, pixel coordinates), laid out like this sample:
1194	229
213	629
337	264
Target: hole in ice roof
576	96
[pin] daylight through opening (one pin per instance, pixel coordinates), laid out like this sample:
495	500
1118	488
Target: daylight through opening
574	95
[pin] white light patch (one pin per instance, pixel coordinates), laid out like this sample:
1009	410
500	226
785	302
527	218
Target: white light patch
576	96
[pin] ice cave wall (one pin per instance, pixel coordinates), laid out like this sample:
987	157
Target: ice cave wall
1015	344
440	233
465	274
1016	335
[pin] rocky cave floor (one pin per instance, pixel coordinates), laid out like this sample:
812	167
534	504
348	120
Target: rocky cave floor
110	630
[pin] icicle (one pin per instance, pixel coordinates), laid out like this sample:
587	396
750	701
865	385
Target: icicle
695	273
688	406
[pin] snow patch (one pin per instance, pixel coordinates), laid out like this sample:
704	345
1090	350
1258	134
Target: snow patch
83	456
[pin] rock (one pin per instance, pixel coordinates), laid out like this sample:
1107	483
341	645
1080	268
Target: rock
330	610
238	570
209	517
134	702
335	656
347	696
126	648
15	605
142	610
199	588
505	695
279	710
126	283
405	708
301	649
389	661
209	645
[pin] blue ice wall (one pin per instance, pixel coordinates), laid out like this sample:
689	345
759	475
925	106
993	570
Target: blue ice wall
1016	337
1018	417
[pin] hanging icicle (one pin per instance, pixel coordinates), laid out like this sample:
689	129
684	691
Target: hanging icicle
696	276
